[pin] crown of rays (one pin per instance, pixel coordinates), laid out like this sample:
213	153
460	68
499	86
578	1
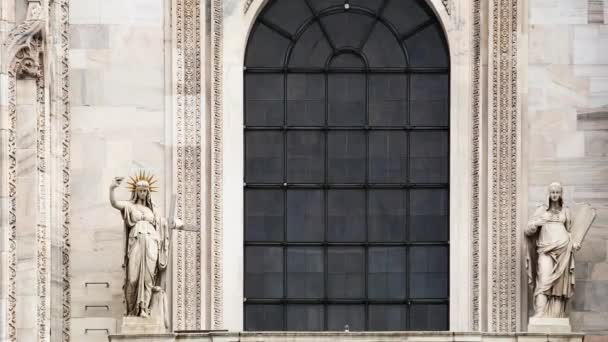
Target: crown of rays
142	176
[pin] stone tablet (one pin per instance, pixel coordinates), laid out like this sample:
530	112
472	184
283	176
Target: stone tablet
583	217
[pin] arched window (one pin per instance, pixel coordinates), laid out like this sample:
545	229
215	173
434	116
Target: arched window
346	167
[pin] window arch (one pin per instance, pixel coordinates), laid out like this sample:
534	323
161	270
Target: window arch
346	167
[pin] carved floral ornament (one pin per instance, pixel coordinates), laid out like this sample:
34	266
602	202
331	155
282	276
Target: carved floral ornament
24	45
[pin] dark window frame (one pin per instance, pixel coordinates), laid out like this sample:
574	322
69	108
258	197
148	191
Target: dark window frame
406	186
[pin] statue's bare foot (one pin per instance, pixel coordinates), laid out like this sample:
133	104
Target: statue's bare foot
143	314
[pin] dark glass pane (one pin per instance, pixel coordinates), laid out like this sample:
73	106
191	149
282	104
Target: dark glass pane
347	60
264	99
429	317
305	215
346	215
346	157
263	272
386	277
387	157
405	15
346	100
319	5
429	162
260	317
345	272
264	215
429	215
288	15
427	49
305	157
388	100
311	50
266	48
428	272
383	49
347	29
339	316
386	215
305	272
305	317
373	5
387	317
429	104
264	157
305	100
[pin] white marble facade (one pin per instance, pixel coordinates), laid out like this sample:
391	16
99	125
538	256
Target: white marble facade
117	87
566	133
157	84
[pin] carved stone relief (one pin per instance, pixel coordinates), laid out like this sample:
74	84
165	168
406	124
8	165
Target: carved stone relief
216	165
27	50
504	168
187	288
476	154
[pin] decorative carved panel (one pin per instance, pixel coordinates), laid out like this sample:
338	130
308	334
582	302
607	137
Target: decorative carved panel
503	168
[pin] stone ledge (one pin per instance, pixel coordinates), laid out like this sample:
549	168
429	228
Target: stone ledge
337	336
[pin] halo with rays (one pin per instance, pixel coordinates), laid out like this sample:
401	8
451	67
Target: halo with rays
142	176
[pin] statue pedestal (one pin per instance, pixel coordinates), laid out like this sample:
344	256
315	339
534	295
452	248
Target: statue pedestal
140	325
549	325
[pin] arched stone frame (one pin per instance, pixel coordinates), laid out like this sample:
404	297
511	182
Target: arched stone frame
237	24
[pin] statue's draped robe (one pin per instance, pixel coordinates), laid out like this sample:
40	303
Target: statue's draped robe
555	277
146	255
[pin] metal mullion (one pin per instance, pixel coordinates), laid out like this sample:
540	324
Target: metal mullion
321	26
347	244
347	186
408	120
373	26
366	195
346	128
284	246
276	29
417	29
418	301
372	70
325	192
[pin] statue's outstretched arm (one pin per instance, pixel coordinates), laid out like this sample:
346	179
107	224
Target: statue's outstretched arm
120	205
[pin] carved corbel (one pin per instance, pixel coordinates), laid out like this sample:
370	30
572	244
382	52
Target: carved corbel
24	44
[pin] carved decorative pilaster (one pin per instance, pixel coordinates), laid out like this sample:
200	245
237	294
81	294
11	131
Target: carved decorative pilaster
23	58
27	52
64	96
188	139
476	166
216	166
504	165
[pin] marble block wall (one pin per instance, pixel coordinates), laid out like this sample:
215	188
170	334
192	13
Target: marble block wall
566	132
27	218
117	94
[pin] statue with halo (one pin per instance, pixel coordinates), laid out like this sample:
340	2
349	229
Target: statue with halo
553	234
146	248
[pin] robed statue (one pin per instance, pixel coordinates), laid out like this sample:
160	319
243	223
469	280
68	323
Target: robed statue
553	233
146	247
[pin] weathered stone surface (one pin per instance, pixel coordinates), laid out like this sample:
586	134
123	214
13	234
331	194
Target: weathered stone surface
549	325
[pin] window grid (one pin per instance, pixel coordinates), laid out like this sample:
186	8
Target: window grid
325	186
